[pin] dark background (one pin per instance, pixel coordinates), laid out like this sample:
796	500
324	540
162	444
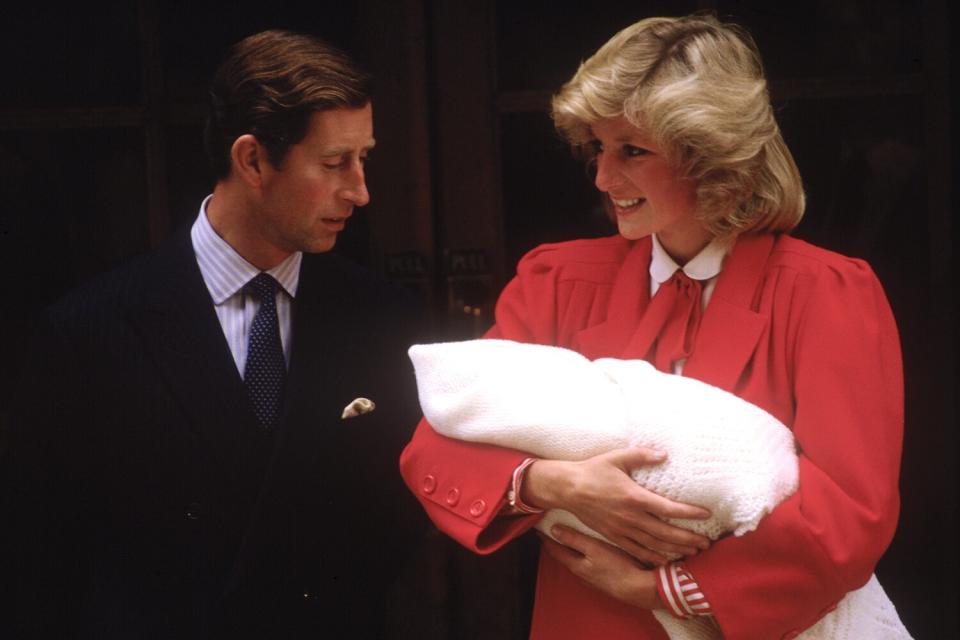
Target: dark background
100	158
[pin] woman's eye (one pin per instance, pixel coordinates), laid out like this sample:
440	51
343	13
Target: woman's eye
595	147
631	151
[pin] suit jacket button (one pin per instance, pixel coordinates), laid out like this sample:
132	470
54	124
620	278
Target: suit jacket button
477	508
193	511
453	497
429	484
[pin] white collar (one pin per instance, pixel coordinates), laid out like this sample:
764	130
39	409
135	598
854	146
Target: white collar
225	271
705	265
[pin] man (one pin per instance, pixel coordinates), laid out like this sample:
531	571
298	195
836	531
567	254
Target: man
178	466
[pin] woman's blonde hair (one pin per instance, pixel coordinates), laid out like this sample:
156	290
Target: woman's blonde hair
697	87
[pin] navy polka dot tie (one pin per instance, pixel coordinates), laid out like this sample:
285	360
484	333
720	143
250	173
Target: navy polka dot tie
265	369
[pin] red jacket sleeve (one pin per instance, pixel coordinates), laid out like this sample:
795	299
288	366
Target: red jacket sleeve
843	360
462	485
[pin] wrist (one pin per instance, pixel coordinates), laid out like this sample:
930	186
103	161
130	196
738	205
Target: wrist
514	497
640	590
542	483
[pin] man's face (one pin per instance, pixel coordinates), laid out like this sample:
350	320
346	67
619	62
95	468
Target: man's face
307	199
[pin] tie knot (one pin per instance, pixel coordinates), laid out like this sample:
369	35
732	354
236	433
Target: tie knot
683	282
263	286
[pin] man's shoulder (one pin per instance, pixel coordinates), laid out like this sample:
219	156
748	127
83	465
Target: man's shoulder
110	293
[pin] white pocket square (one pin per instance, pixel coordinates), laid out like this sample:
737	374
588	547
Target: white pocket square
358	407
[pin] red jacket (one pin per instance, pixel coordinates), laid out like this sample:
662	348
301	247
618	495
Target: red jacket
802	332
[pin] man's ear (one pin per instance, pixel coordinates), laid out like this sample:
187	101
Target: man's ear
248	159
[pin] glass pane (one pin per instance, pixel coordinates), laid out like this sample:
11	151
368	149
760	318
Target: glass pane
78	194
74	205
862	161
193	48
831	38
540	44
547	194
189	177
78	55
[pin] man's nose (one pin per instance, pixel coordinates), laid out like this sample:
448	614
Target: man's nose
355	189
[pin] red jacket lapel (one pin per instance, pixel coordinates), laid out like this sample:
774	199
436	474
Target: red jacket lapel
628	300
730	329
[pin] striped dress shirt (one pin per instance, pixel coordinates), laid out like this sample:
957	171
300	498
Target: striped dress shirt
226	273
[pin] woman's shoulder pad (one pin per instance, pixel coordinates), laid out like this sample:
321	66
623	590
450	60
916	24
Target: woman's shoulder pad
591	251
804	256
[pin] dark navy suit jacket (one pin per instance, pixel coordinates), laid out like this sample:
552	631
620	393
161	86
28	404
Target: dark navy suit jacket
141	499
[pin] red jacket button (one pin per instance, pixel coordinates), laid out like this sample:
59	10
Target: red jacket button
453	497
429	484
477	508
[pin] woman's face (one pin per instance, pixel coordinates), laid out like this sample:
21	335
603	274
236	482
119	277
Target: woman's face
647	194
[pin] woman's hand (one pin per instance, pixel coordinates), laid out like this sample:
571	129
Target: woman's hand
604	567
600	491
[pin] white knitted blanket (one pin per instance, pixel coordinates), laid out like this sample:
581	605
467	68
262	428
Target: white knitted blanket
724	453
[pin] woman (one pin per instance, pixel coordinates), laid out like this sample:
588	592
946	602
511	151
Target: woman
702	280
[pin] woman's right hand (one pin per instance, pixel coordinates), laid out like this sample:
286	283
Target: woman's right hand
601	493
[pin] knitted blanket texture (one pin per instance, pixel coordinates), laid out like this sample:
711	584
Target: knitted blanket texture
724	453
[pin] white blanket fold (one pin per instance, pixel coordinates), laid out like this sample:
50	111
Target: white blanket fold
724	453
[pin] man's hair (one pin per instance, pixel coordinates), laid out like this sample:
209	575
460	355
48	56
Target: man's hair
697	86
269	85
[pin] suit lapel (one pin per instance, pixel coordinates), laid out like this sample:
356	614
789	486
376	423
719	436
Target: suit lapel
179	328
322	341
731	329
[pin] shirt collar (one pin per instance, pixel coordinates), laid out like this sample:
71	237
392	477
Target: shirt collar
226	272
705	265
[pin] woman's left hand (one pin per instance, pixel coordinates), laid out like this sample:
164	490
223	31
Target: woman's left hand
604	567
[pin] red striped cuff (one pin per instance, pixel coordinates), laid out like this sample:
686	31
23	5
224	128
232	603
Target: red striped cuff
680	592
